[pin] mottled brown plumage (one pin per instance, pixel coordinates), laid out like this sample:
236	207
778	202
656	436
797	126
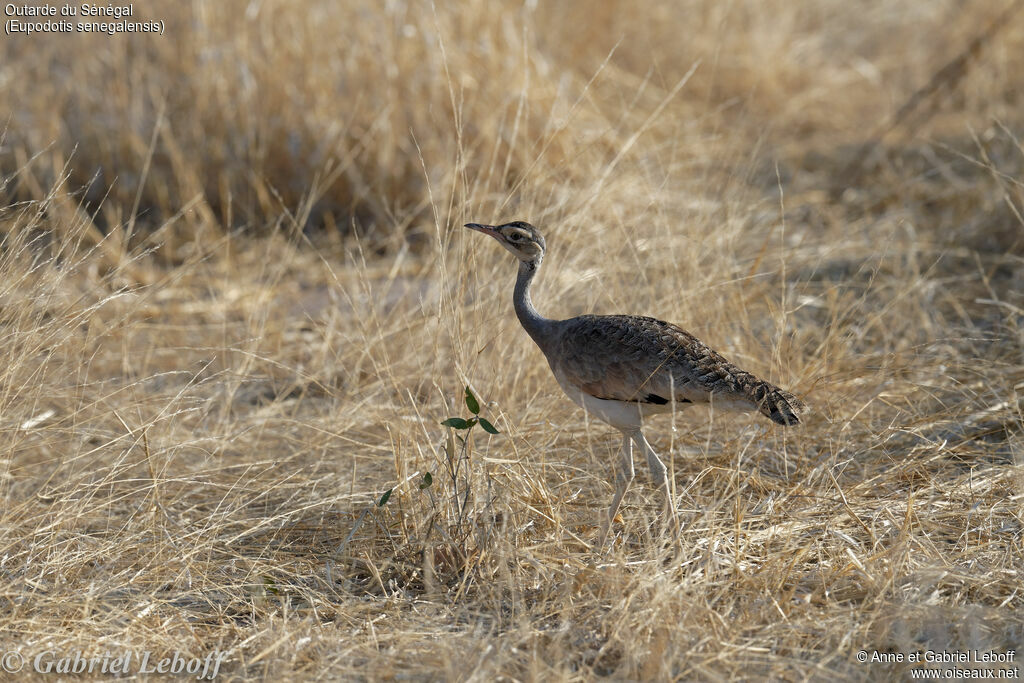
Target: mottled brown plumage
622	368
646	360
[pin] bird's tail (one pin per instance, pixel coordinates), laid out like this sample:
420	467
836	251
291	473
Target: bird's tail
779	405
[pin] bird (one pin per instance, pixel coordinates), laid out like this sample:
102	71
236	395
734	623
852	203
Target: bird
623	368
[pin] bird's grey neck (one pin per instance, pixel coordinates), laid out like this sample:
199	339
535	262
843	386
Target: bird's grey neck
536	325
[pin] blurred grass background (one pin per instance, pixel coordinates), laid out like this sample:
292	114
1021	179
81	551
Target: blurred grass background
237	301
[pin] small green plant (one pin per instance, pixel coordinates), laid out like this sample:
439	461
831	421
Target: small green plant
450	520
474	407
458	463
454	460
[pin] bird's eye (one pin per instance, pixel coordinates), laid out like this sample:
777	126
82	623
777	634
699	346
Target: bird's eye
515	237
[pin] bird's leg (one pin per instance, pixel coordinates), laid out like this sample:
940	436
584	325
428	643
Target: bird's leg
658	469
622	479
658	473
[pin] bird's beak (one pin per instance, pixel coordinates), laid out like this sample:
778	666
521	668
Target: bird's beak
485	229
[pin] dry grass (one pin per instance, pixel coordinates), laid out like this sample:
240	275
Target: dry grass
235	303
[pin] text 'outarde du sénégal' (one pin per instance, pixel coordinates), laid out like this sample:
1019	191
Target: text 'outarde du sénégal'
84	10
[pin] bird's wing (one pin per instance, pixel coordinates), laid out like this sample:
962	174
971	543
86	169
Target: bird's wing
632	358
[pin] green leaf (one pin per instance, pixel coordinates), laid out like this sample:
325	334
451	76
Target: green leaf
428	479
384	498
457	423
472	403
488	427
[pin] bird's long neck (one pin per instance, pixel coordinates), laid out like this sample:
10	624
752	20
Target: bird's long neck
536	325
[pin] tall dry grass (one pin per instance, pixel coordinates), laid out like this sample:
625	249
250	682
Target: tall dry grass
236	303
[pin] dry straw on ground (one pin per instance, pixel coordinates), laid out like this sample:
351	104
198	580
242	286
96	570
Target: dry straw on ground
235	305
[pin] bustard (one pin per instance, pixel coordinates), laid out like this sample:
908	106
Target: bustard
621	368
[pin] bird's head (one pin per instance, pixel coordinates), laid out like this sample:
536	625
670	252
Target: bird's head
522	239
